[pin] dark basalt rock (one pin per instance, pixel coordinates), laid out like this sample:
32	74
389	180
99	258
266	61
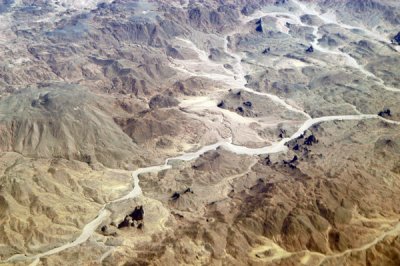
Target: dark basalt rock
259	24
267	161
310	49
266	51
296	147
188	190
385	113
239	109
247	104
221	104
282	133
310	140
125	223
137	214
259	28
175	196
396	39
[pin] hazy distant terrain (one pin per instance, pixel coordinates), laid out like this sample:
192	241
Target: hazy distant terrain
232	132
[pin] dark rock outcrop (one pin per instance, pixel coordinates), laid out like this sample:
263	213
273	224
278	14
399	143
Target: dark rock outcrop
396	39
259	24
310	49
247	104
239	109
266	50
125	223
134	219
259	28
310	140
188	190
175	196
137	214
385	113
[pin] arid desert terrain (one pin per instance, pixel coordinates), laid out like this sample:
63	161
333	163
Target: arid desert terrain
213	132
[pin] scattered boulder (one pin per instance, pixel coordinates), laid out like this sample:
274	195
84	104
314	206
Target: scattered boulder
239	109
103	228
175	196
267	160
247	104
221	104
310	49
282	133
385	113
126	222
188	190
396	39
259	24
266	50
310	140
